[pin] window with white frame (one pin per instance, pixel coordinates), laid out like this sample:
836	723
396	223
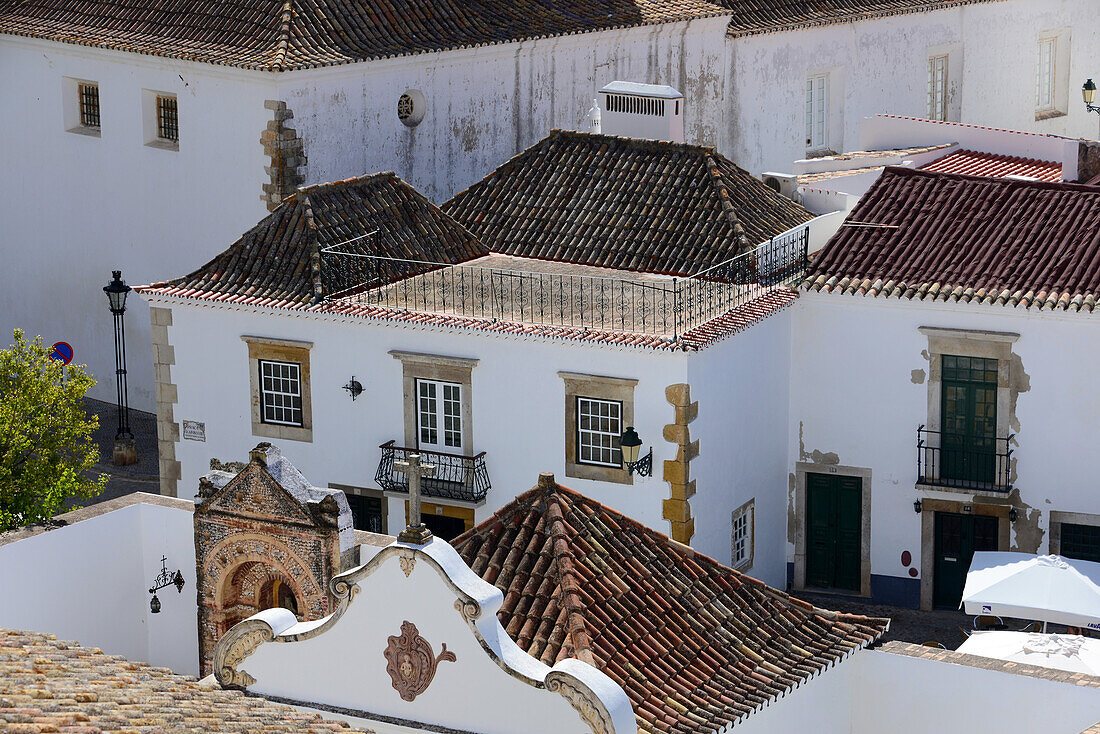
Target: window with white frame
599	427
1045	80
438	415
281	393
743	522
817	112
937	88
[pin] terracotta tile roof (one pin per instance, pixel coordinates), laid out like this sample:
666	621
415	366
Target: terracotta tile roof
695	645
974	163
767	16
623	203
278	260
47	685
294	34
939	236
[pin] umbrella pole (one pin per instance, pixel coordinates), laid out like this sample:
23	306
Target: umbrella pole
1044	628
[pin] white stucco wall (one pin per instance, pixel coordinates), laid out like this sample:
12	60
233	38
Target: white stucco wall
89	582
518	401
484	105
874	691
75	207
853	394
742	387
881	66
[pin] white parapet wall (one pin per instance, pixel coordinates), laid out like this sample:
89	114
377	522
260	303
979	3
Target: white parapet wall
89	580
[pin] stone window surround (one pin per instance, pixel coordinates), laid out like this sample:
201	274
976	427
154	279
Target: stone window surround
279	350
929	508
969	343
749	508
802	468
578	384
1073	518
418	365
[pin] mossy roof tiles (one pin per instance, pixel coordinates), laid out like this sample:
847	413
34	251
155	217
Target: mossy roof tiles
623	203
694	644
293	34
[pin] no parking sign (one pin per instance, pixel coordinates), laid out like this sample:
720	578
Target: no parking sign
62	352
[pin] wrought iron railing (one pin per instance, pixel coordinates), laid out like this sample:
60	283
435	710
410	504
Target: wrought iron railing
964	462
456	477
649	304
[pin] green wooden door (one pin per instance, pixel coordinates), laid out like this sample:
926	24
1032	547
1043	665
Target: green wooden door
834	528
956	539
969	415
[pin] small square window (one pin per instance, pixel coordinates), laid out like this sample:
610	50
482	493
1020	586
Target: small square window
599	426
281	393
168	124
743	525
89	104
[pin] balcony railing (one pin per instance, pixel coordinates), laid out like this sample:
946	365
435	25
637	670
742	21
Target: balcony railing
964	462
456	477
649	305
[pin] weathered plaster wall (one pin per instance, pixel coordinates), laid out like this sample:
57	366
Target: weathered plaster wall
75	207
859	391
484	105
881	66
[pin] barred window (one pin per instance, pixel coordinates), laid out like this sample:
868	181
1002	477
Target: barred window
599	427
89	104
168	121
281	393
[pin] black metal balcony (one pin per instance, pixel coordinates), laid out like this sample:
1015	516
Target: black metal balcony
456	477
964	462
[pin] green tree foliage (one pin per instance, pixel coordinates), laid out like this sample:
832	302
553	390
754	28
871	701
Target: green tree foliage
46	445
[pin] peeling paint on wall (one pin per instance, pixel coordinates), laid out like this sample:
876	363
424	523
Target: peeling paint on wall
917	377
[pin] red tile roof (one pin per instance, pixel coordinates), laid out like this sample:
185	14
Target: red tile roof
767	16
974	163
694	644
276	35
939	236
624	203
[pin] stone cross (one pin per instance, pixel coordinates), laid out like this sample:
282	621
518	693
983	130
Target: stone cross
416	533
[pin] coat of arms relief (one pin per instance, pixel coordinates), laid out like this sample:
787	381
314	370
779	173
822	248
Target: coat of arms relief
411	662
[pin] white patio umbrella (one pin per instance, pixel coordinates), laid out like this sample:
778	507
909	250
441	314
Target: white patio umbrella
1063	652
1025	586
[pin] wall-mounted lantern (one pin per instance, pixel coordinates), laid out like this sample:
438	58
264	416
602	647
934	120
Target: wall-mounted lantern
631	446
164	579
354	388
1012	514
917	507
1088	93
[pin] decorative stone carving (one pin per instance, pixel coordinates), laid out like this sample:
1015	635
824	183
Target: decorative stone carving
411	662
469	609
407	559
236	645
586	703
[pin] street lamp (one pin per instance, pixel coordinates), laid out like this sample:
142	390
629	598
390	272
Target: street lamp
1088	93
125	451
631	445
163	580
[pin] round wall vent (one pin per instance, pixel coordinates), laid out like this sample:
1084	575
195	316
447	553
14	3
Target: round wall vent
411	107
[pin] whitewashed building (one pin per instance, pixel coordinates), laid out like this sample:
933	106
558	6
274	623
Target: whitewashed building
586	286
165	137
942	362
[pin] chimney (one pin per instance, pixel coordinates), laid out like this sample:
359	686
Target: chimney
633	110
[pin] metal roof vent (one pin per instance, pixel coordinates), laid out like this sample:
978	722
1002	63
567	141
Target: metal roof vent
636	110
